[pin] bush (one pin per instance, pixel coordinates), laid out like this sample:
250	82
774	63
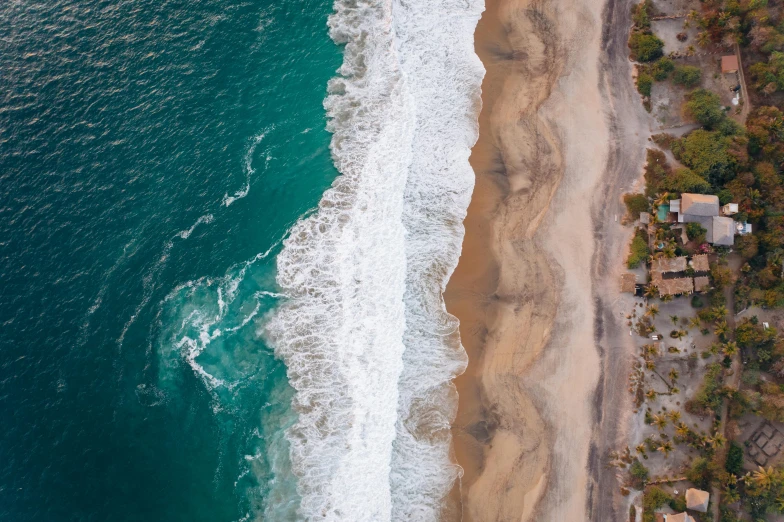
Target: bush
645	47
687	76
706	153
644	84
662	68
696	302
696	232
734	463
636	203
701	472
685	180
639	251
705	107
642	13
639	474
653	499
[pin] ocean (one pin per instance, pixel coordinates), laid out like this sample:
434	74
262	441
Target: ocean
225	227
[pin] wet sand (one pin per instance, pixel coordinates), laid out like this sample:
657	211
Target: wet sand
543	395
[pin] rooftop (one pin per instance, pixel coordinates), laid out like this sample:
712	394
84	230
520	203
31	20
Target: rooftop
680	517
699	205
681	285
697	500
729	64
701	284
629	283
669	264
700	263
723	231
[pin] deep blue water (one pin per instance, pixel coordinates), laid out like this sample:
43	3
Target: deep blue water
126	127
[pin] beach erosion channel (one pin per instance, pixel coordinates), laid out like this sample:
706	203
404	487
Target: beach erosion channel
561	136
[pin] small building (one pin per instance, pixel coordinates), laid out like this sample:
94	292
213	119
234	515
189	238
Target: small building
729	209
645	218
700	263
722	231
729	64
669	264
677	286
680	517
629	283
699	205
743	228
697	500
701	284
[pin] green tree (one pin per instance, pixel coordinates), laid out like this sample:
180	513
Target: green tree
645	47
644	84
705	107
696	232
707	154
685	180
636	203
687	76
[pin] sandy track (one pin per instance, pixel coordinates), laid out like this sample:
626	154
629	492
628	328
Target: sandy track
527	288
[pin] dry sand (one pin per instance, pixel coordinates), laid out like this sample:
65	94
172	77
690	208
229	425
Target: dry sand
544	392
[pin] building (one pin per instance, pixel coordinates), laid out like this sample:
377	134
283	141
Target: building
704	209
629	283
697	500
678	286
701	284
700	263
729	64
729	209
680	517
668	264
645	218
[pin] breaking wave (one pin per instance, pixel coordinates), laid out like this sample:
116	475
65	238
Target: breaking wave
368	345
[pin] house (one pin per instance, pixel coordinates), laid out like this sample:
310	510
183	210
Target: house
629	283
669	264
729	64
700	263
704	209
680	517
701	284
680	285
697	500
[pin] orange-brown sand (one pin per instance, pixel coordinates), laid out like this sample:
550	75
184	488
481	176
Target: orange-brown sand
529	286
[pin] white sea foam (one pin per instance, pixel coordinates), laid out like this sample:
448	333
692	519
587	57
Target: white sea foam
248	167
369	347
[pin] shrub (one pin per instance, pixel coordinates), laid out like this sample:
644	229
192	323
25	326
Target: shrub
639	251
687	76
641	14
734	463
685	180
644	84
662	68
696	302
645	47
705	107
639	474
696	232
706	153
653	499
636	203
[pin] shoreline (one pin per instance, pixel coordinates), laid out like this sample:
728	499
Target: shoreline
535	283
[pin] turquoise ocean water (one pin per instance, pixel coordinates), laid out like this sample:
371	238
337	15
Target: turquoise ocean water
125	129
225	229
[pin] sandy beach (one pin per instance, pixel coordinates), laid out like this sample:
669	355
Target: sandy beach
544	397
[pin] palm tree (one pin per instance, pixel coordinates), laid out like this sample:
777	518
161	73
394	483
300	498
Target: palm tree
650	365
674	319
651	394
763	478
716	441
651	291
682	430
666	298
721	328
703	38
652	311
695	322
730	349
719	311
641	449
680	334
665	448
675	415
691	51
660	421
674	377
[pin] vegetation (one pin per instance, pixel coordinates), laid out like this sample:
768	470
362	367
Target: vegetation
696	232
653	499
636	203
687	76
645	47
705	107
639	250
